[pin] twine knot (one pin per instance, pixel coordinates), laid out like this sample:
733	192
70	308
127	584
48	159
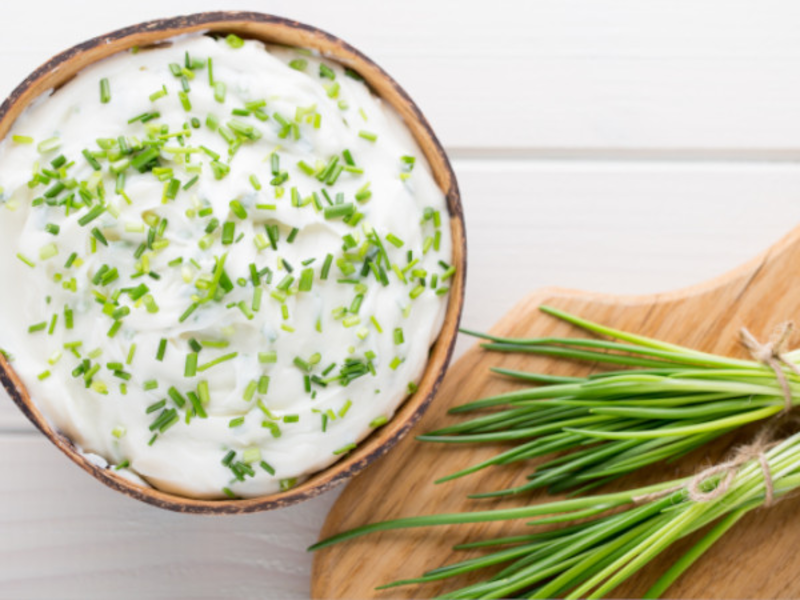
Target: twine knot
756	450
771	354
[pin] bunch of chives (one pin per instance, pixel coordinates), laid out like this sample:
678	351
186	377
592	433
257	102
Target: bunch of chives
618	535
668	401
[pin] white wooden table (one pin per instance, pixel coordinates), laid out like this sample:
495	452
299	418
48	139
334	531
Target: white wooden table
615	145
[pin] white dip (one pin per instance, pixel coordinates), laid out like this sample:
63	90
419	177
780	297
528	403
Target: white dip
195	227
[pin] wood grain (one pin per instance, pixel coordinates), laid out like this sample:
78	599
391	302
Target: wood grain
756	560
686	104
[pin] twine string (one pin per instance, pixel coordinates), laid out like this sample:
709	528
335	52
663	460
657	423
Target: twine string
756	450
771	354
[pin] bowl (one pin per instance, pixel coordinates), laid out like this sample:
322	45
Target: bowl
277	30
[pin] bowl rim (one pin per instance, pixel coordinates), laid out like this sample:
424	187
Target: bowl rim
344	469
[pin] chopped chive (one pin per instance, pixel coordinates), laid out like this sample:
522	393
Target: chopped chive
190	369
228	458
376	324
144	117
379	422
105	91
285	283
48	251
275	430
188	312
355	306
191	182
268	357
345	409
345	449
94	213
114	329
251	455
228	232
302	364
131	354
394	240
364	193
250	391
203	392
171	189
197	405
49	145
306	168
215	344
234	41
351	321
326	267
162	350
37	327
238	209
326	72
144	159
339	210
159	94
91	160
155	407
306	280
245	310
26	260
219	91
185	102
176	397
217	361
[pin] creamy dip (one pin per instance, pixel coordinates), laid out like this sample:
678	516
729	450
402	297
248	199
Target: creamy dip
223	264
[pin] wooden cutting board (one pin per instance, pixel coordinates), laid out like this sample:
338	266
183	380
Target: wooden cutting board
757	559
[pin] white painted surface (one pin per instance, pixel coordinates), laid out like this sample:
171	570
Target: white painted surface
614	145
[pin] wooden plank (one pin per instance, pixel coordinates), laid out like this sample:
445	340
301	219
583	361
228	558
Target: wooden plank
66	536
610	227
757	559
555	77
